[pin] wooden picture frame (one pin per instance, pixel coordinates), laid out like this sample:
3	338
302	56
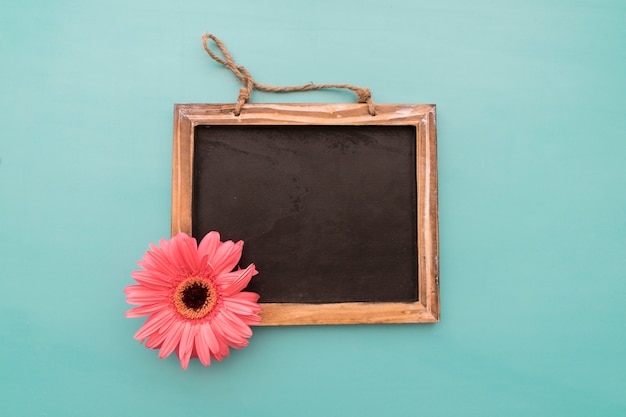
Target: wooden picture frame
425	309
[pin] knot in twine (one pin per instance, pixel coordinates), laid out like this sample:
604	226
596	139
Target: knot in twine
363	95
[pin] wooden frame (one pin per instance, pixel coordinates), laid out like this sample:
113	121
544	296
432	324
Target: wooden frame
426	309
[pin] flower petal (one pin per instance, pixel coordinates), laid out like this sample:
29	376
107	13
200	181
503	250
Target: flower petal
243	303
226	257
143	290
223	349
144	310
248	296
184	250
208	338
156	339
201	348
137	294
157	259
245	306
251	319
208	245
233	329
172	339
153	324
151	278
234	282
242	329
185	348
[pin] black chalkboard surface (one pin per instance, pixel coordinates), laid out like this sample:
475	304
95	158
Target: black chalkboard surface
337	207
327	213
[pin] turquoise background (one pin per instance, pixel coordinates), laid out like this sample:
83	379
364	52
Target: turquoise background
531	100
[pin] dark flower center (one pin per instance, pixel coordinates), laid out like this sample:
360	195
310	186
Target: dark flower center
195	296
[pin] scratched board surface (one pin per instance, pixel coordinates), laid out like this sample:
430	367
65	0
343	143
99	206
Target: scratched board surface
327	213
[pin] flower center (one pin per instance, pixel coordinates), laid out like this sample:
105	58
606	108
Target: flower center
195	295
194	298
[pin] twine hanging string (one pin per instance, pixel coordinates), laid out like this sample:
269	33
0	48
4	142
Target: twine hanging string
363	94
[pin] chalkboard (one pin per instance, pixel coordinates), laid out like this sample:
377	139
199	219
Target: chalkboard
337	208
326	212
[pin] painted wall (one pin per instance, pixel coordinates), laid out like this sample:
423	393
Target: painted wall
531	117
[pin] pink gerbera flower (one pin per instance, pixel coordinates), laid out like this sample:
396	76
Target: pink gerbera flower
194	301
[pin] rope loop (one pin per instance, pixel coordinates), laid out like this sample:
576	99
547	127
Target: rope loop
363	94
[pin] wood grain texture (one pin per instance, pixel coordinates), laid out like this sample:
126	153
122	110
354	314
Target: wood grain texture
422	116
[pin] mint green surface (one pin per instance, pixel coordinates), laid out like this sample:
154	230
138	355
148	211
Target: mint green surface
531	100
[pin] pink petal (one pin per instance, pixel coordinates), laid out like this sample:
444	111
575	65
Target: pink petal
153	324
186	341
172	339
209	339
222	350
131	288
151	278
251	297
231	331
250	320
157	259
226	257
156	339
242	305
194	354
186	344
208	245
241	328
142	290
202	348
185	251
147	297
170	250
144	310
163	245
234	282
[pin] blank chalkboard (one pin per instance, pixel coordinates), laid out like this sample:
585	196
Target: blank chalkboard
326	212
337	208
